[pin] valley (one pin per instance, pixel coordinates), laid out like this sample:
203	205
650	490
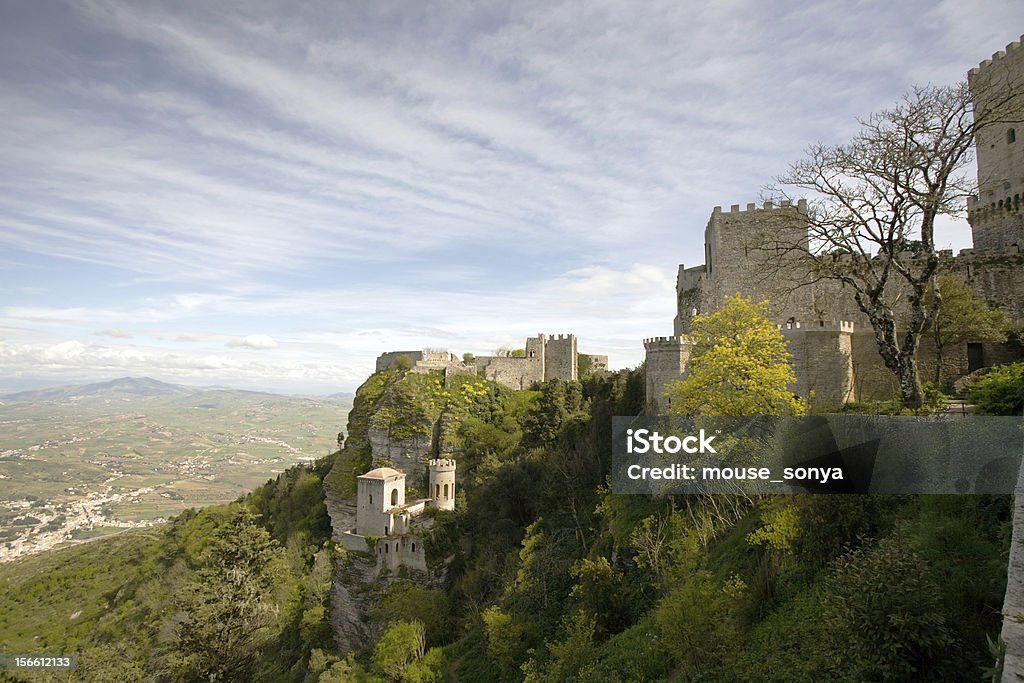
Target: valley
87	463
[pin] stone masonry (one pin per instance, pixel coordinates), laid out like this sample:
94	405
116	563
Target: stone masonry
834	351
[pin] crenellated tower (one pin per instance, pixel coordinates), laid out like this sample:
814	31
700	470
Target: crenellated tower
997	88
442	483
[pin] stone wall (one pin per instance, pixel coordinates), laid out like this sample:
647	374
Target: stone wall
517	373
996	214
402	551
597	363
388	358
822	361
742	250
997	276
560	360
666	363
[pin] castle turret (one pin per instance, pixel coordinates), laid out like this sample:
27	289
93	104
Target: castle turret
379	491
442	483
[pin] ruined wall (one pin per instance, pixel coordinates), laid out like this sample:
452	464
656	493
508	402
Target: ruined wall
597	363
666	359
516	373
995	214
388	358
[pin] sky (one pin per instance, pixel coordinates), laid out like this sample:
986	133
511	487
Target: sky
268	195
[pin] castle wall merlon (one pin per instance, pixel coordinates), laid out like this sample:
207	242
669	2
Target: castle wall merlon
997	56
817	326
663	340
801	206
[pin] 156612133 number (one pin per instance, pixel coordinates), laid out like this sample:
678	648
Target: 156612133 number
23	662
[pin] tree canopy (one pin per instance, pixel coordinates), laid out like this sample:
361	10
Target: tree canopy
739	365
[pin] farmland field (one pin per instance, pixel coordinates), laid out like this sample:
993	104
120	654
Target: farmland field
86	465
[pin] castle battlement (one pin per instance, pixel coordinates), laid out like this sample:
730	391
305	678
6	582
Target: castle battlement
981	254
1010	50
801	206
442	463
979	213
817	326
664	341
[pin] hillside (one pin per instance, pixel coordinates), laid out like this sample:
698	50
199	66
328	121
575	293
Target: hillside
547	576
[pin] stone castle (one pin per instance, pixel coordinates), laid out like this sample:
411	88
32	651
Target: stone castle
390	527
833	346
545	358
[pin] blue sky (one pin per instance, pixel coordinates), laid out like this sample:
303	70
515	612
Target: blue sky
269	195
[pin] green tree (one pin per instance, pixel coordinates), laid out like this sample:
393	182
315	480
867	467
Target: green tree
885	615
567	656
739	365
403	643
504	637
963	316
225	618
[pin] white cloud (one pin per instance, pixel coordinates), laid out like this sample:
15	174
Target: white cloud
115	332
252	341
348	179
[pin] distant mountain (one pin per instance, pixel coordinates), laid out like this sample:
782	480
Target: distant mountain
342	394
115	388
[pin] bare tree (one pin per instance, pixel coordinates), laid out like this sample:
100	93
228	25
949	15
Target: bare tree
873	205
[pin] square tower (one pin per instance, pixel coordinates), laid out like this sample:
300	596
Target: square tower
378	492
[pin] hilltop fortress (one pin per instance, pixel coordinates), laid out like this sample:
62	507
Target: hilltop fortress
545	358
835	354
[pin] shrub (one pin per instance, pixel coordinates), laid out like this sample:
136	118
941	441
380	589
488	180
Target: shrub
1000	392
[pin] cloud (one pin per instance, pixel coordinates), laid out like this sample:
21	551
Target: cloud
350	178
252	341
115	332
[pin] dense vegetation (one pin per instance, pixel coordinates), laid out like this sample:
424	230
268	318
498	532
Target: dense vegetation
552	577
232	592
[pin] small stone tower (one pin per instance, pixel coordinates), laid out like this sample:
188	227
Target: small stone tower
666	363
442	483
378	492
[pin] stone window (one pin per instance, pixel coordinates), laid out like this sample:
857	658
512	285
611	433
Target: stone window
371	499
414	547
1011	135
394	496
446	491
